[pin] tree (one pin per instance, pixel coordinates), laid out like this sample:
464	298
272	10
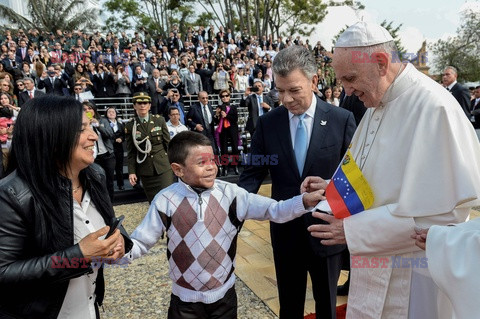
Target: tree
52	15
461	51
155	16
276	17
393	32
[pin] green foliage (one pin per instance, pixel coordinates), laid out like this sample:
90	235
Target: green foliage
52	15
461	51
302	15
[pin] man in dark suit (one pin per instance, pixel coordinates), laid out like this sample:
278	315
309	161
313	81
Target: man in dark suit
139	80
21	54
103	82
475	111
54	82
146	66
205	76
172	99
257	104
29	93
147	140
155	89
459	92
302	137
200	118
192	82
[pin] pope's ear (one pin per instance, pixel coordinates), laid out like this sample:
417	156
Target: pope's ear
177	169
382	61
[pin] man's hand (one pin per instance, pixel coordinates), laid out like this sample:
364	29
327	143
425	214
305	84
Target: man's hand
265	106
132	178
312	183
312	199
199	127
331	234
420	237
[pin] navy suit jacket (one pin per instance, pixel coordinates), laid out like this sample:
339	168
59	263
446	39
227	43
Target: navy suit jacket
462	95
332	132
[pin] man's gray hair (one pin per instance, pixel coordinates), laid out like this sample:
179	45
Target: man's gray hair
454	70
292	58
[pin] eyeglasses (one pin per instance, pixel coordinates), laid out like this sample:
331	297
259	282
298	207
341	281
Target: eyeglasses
224	95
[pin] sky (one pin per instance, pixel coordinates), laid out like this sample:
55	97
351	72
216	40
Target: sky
421	19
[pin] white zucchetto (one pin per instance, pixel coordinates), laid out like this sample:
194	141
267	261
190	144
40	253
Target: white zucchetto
363	34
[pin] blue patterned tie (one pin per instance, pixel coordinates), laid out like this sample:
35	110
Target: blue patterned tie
300	146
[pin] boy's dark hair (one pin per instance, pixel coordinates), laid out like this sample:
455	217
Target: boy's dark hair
180	145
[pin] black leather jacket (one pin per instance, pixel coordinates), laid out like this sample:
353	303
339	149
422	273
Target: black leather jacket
29	286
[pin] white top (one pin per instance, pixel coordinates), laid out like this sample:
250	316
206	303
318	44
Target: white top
79	302
174	130
453	257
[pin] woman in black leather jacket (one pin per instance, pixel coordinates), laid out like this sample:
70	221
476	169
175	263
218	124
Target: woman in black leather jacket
54	212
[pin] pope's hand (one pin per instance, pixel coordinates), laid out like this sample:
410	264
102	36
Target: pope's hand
331	233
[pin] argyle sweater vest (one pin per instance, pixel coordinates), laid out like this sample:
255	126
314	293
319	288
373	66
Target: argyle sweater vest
202	232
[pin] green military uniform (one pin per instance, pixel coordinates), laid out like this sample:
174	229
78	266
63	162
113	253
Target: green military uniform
154	171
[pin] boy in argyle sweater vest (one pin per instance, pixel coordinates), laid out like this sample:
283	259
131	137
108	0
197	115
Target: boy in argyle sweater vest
202	218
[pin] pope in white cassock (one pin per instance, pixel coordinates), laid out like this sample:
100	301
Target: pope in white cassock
417	150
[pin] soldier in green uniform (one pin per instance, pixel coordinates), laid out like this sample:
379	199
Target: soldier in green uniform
147	141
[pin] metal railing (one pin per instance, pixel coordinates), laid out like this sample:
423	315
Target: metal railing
125	110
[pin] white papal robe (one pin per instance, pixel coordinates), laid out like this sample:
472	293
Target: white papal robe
420	155
454	257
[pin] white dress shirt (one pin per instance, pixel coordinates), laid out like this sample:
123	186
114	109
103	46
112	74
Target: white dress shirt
79	302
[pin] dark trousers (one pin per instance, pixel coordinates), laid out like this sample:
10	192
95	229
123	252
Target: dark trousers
118	147
225	308
294	257
229	134
107	162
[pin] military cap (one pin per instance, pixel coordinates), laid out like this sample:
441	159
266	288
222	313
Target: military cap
141	97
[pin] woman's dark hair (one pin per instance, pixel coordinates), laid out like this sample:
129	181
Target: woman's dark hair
113	108
46	133
180	145
10	99
94	108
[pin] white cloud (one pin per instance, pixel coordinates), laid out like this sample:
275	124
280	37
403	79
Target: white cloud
412	39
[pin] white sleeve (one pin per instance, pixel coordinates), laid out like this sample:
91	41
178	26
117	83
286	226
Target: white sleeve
376	232
253	206
147	233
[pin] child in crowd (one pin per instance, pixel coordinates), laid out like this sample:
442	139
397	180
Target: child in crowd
202	218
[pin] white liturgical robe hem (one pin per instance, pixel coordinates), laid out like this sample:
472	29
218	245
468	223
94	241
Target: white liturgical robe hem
417	152
453	259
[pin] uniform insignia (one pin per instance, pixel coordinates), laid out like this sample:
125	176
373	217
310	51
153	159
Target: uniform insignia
138	135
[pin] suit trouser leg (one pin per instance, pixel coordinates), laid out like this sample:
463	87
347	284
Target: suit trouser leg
290	256
324	272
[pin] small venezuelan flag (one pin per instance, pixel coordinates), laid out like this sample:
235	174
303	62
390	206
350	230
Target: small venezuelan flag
348	192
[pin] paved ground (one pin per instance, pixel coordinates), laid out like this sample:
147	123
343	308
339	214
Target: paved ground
142	290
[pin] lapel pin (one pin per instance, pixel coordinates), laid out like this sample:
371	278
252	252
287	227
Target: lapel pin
323	123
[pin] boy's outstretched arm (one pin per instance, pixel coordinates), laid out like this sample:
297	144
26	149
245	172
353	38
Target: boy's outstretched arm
147	233
253	206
